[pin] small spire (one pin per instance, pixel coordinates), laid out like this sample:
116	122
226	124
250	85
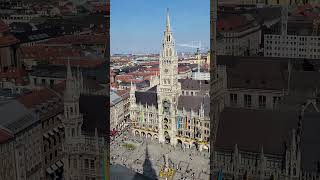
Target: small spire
168	21
262	153
236	151
69	72
96	132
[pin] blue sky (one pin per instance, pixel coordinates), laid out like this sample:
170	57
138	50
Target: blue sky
136	26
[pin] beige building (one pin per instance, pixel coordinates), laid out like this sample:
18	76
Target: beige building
7	154
117	112
25	141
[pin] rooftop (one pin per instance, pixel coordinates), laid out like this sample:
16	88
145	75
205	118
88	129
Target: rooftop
95	114
253	129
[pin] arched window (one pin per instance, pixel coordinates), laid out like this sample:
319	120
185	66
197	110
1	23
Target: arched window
72	132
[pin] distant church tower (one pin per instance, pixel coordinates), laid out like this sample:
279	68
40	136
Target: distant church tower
169	88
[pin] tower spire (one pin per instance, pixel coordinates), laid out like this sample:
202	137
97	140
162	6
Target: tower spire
168	21
69	72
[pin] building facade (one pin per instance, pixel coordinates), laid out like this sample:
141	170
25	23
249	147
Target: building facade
293	46
85	144
175	111
117	112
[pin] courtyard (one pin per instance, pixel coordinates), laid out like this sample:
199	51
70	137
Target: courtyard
147	157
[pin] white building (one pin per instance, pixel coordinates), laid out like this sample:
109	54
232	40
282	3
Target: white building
238	39
292	46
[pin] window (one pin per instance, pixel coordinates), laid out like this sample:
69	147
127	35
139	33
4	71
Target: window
75	163
247	101
43	81
92	164
262	101
86	163
233	99
55	153
275	101
50	156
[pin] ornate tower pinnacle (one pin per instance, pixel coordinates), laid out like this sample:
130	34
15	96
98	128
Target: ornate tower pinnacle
168	21
69	91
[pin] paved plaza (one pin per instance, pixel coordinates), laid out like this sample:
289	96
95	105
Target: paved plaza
188	164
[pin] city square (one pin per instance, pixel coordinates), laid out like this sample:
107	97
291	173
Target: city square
188	163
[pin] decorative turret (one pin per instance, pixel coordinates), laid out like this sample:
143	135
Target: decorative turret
72	117
262	164
132	94
235	156
201	110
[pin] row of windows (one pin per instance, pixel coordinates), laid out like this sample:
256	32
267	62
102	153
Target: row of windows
191	93
43	82
248	100
189	134
45	148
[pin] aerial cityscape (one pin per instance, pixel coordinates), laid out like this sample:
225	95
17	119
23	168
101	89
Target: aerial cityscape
54	89
168	90
165	100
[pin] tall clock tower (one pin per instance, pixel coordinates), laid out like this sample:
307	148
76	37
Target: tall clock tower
169	88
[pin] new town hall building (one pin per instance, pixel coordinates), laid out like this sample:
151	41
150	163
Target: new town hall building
175	111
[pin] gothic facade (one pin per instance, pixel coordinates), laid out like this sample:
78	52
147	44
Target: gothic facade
175	111
84	148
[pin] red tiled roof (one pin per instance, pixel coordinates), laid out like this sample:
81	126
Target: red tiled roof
183	69
145	73
85	63
79	39
122	92
114	85
14	73
124	77
8	40
3	27
36	97
150	63
5	135
231	23
43	52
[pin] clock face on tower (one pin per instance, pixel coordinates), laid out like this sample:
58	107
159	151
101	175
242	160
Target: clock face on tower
166	106
166	70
